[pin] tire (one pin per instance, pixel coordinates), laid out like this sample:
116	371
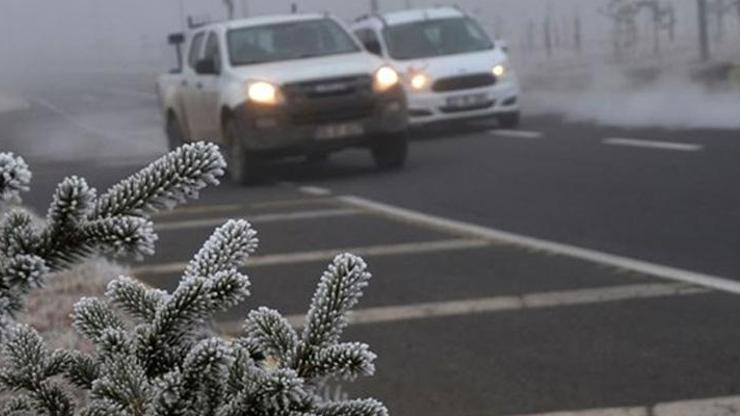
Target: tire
243	168
509	120
175	135
391	151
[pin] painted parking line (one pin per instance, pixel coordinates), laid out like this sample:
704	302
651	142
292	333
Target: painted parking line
495	236
259	219
488	305
221	208
653	144
721	406
517	134
328	255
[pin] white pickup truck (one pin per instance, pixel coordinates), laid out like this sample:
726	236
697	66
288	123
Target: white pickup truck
279	86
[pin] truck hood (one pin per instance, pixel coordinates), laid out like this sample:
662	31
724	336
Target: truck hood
311	68
453	65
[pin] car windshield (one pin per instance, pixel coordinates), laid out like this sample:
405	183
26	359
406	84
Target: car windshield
288	41
436	38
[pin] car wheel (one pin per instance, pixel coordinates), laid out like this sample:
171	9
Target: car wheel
509	120
175	136
243	167
391	151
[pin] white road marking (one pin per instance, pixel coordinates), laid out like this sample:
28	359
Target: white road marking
220	208
652	144
263	218
200	209
504	237
71	120
517	134
328	255
721	406
314	190
531	301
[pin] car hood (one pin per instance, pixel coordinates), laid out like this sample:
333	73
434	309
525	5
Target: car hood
308	69
453	65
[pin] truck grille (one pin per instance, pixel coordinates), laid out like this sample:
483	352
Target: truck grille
331	114
464	82
329	87
330	100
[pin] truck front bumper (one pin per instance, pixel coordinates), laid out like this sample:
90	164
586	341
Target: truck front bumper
301	128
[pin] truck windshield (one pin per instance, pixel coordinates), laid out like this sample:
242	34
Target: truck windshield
437	37
288	41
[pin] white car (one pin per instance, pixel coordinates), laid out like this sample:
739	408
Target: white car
451	68
277	86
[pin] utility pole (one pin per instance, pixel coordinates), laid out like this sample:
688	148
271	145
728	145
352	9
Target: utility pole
229	9
703	30
245	8
374	6
577	35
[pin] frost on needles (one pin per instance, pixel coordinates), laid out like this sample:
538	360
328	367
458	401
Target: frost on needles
164	359
79	223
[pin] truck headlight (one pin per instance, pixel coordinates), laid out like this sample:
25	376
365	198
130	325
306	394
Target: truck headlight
420	81
263	92
385	79
500	70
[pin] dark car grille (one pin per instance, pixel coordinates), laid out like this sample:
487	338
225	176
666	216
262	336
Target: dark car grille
464	82
330	100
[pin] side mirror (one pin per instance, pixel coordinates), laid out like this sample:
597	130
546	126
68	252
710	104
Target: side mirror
374	47
206	67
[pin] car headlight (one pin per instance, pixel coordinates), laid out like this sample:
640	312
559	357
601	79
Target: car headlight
385	79
420	81
263	92
500	70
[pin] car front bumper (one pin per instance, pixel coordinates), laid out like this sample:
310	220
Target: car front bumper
426	107
297	128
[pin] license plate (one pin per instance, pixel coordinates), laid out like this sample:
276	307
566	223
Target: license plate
464	101
338	131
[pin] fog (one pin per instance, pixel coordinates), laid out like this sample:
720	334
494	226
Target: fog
95	46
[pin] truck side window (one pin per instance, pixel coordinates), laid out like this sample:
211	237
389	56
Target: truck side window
195	48
212	51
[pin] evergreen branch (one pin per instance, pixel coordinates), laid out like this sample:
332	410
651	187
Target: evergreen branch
363	407
172	179
339	290
348	361
14	177
72	202
135	298
272	335
92	317
227	248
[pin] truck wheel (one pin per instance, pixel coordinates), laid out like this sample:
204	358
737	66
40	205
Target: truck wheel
390	151
175	136
509	120
243	167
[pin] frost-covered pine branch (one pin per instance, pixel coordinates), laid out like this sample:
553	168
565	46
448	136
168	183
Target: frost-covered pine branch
80	224
168	363
15	177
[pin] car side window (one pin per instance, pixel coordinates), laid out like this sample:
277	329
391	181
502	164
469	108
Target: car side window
195	48
212	51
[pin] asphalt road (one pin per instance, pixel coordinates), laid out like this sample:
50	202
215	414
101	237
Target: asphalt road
515	272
